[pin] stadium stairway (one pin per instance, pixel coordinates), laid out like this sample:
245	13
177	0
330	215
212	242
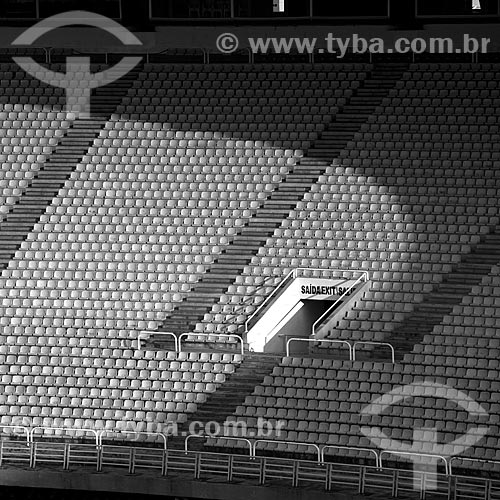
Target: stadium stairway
45	185
280	202
355	113
223	402
447	294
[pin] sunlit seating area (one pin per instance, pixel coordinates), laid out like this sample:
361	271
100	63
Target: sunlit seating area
184	163
404	212
140	219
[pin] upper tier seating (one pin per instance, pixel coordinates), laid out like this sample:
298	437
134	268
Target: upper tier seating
286	104
31	122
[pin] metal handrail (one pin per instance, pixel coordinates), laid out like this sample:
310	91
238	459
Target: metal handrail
65	429
310	445
363	277
204	436
327	473
349	448
25	430
412	454
232	335
361	342
102	433
146	332
478	460
300	339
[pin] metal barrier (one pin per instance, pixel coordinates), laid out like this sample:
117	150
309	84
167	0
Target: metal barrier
299	339
148	333
66	432
364	277
309	445
25	430
137	434
473	460
213	335
348	448
362	479
410	454
393	357
203	436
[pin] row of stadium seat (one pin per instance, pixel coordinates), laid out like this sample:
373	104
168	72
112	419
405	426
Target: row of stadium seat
149	202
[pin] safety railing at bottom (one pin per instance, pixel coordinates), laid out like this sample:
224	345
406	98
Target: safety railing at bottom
258	470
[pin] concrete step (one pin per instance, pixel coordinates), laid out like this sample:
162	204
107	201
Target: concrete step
218	277
454	288
220	266
204	297
343	128
472	268
278	205
206	286
306	170
313	162
306	178
491	260
18	226
241	249
265	221
48	182
323	153
246	231
37	200
28	209
291	185
360	109
444	298
370	93
8	247
9	236
351	118
235	260
330	143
